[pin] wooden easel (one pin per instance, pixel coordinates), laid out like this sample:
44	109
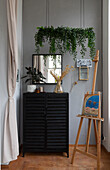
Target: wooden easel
97	127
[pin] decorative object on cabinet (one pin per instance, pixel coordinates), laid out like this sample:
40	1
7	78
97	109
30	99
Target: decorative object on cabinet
31	88
83	73
33	75
46	62
91	100
65	39
46	122
41	88
37	90
58	78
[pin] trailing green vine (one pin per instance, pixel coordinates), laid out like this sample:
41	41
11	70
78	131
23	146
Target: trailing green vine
53	58
65	39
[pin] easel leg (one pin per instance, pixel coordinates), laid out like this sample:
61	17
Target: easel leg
77	138
88	135
98	145
95	129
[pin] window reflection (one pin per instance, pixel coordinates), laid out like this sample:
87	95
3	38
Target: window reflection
45	63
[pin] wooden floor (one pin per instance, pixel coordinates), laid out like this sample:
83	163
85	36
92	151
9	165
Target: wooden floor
33	161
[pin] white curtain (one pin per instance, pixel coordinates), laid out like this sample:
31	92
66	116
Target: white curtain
10	145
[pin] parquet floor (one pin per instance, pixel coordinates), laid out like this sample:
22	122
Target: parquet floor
53	161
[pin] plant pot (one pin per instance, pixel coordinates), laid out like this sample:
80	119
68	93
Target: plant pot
31	88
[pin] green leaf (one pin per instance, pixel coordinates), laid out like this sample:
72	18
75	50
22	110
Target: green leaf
23	77
27	80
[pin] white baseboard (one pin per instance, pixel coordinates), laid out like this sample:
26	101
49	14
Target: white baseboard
5	163
107	147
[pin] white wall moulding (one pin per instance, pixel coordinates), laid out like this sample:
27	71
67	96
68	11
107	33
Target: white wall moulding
82	21
63	12
47	12
93	18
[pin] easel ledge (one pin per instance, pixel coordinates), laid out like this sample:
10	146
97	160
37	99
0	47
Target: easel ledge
90	117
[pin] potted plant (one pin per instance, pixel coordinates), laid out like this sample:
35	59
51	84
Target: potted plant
34	76
66	39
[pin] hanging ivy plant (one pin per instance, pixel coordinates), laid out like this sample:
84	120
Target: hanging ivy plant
65	39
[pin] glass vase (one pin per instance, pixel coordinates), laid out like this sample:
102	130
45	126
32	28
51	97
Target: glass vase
58	88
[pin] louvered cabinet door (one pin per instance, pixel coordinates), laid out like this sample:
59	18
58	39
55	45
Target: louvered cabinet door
57	122
34	123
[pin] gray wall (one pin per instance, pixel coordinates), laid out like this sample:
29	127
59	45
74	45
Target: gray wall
72	13
18	92
3	64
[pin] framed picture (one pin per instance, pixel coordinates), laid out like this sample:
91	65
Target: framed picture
91	105
83	73
84	62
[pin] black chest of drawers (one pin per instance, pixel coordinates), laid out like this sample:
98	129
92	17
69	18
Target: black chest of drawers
46	122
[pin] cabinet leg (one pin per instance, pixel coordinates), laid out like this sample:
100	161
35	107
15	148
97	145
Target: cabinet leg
67	154
23	151
23	154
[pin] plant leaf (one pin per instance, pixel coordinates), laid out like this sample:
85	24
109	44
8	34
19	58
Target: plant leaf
23	77
27	80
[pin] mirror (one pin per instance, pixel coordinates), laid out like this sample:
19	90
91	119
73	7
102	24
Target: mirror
46	62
